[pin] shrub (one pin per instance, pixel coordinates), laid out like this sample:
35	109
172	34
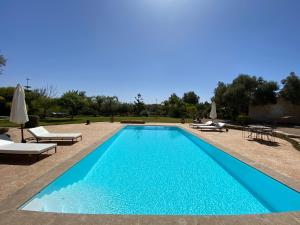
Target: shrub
182	120
243	119
34	121
133	121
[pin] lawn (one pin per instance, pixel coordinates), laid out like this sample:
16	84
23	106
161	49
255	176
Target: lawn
83	119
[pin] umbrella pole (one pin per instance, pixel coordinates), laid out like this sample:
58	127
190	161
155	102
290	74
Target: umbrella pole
22	134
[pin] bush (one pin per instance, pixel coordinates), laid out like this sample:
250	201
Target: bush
133	121
243	119
34	121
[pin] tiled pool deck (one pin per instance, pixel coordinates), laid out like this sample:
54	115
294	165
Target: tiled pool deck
20	179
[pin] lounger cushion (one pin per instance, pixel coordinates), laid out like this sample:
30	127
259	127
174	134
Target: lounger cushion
215	127
60	135
5	142
209	127
28	148
42	133
208	123
38	131
221	124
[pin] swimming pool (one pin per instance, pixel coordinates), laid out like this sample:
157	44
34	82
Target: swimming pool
160	170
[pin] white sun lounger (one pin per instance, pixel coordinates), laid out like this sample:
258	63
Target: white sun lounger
218	126
40	133
196	125
9	147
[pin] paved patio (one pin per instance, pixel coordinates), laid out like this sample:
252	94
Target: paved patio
295	130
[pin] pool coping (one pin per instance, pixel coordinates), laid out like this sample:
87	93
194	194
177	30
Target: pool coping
10	214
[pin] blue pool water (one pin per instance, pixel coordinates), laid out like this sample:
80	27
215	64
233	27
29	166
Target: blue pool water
162	171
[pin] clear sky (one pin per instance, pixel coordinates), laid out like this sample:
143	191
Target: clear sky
155	47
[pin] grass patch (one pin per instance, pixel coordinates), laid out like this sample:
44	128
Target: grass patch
6	123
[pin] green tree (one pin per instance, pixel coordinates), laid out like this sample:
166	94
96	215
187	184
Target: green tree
175	106
227	97
219	94
291	88
125	109
238	95
237	98
88	107
73	101
44	104
265	92
174	100
2	63
45	100
234	99
154	109
192	111
31	100
204	109
6	94
190	98
98	103
139	104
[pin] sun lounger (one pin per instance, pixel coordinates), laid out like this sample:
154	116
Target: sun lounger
195	125
9	147
218	127
40	133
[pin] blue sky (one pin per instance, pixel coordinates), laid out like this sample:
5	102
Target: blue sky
155	47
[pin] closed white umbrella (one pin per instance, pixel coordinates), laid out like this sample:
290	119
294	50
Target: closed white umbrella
18	112
213	111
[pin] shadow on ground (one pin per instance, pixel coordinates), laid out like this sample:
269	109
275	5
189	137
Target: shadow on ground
26	160
58	142
265	142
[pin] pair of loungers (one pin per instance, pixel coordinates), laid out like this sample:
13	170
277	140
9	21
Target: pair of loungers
209	125
40	134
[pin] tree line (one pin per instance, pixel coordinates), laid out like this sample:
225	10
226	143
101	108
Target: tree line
234	99
43	102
